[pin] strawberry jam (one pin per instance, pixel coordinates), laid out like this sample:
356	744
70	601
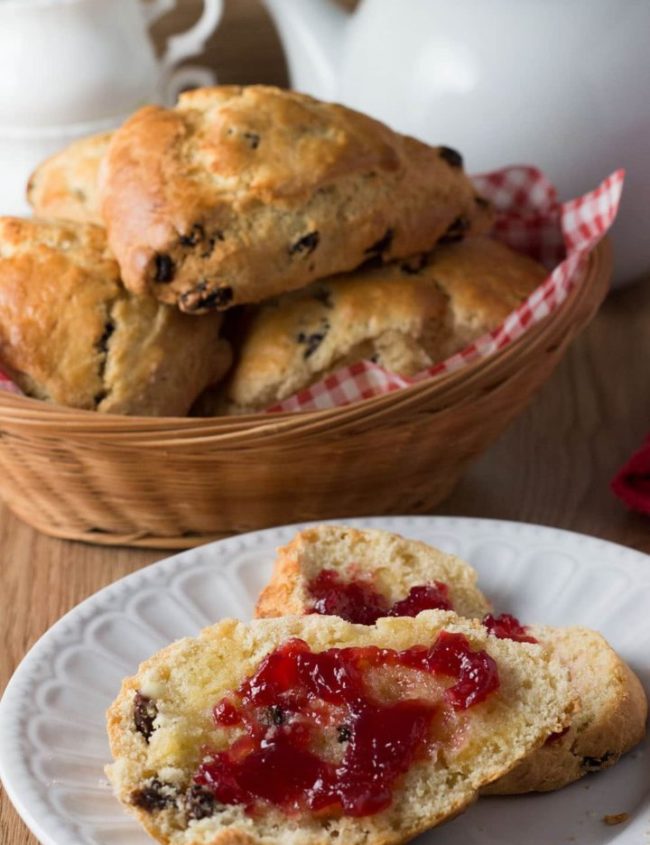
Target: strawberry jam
356	600
313	736
507	627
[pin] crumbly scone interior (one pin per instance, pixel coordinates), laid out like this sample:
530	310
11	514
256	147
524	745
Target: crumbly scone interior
189	677
395	563
610	721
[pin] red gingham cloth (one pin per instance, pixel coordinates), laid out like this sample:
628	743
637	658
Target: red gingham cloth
530	220
632	482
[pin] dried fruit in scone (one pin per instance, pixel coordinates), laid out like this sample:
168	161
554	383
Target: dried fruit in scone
72	334
405	316
65	185
310	729
241	193
362	575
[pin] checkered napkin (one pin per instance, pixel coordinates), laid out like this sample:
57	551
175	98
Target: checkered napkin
530	220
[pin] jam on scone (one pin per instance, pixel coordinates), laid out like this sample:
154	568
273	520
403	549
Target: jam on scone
332	732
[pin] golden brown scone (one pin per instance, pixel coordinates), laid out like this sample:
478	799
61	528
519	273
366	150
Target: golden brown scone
613	705
241	193
65	185
611	719
391	563
161	729
405	316
70	333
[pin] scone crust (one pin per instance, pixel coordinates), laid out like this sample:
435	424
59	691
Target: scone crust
197	672
65	185
71	333
241	193
397	564
610	721
404	316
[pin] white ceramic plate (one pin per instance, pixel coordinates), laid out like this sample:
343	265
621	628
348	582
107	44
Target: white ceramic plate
52	741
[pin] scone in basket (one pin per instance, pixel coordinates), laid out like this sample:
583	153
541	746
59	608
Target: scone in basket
360	442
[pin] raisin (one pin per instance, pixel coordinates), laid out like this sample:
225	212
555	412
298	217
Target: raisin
144	714
305	245
452	157
200	802
456	232
593	764
200	298
197	234
253	139
276	714
313	340
412	266
154	796
164	268
481	202
344	733
382	245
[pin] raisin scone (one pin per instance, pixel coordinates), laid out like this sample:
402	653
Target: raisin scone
404	316
310	730
611	719
65	185
241	193
362	575
72	334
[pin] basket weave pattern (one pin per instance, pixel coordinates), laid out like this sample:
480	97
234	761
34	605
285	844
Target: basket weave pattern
176	483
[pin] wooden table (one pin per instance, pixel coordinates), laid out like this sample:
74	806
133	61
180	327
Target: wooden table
552	466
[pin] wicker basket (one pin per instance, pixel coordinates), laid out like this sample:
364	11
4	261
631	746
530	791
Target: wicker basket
175	483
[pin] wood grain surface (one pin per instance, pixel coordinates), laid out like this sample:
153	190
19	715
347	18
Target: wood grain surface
553	466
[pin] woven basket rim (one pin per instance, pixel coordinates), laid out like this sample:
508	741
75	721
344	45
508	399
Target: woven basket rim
25	410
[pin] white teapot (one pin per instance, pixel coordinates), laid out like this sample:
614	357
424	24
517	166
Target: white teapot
561	84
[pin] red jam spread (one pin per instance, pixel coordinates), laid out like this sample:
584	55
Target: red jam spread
356	600
507	627
312	735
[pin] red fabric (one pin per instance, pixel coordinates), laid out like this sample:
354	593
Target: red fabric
632	482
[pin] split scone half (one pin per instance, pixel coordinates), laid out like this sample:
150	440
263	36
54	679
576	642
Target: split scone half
361	575
241	193
313	730
610	721
404	316
65	184
71	333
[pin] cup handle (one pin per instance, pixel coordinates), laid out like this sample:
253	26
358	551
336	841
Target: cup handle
192	41
189	76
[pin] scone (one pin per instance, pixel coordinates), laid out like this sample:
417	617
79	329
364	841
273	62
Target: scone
361	575
369	574
405	316
241	193
310	730
611	719
65	185
71	333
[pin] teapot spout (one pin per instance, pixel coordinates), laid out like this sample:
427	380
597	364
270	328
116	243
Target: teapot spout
312	33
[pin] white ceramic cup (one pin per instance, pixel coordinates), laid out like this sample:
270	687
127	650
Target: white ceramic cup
80	61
